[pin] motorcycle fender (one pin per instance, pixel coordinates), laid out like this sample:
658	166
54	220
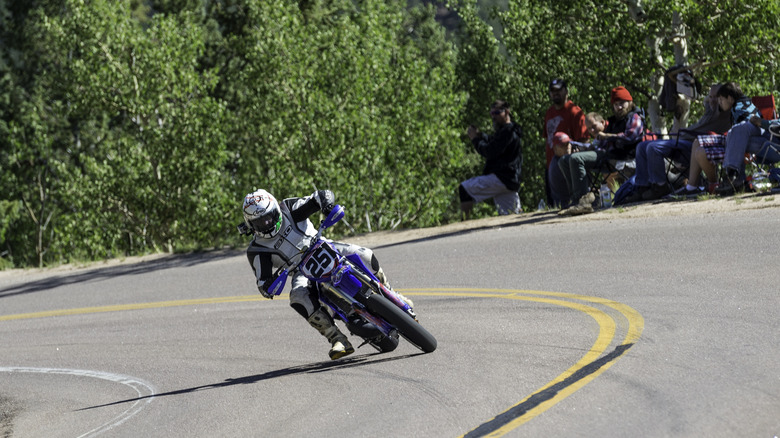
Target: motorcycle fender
358	262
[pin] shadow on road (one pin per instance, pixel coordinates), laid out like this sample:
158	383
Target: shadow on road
167	262
319	367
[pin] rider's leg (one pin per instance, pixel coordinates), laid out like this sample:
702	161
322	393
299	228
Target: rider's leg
304	300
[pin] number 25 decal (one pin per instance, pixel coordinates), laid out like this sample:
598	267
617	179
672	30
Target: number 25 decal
321	261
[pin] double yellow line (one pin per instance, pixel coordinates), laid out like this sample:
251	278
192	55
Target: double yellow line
122	307
591	365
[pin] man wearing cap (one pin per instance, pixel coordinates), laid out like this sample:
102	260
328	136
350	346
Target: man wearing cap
565	117
624	130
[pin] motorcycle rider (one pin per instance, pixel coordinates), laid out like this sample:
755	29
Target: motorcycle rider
280	230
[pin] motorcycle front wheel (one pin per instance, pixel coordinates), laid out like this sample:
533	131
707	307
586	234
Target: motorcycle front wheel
410	329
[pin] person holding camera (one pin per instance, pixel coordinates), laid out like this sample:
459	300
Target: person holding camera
500	178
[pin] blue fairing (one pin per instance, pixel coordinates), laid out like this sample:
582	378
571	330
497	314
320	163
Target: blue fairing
357	261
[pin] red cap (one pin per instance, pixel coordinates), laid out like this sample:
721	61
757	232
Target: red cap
560	138
620	93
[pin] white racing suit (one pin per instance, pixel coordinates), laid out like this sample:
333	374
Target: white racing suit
267	255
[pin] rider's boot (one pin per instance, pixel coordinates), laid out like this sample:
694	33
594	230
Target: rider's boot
380	274
339	344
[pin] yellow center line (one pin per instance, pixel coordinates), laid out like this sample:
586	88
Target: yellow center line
135	306
590	366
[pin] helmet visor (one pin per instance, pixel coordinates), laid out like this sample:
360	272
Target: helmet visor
268	223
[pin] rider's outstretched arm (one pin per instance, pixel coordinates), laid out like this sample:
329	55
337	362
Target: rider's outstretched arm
321	200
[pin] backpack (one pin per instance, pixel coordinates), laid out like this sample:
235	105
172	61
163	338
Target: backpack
682	82
626	189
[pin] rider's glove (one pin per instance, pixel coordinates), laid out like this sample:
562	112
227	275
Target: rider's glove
265	293
263	288
326	200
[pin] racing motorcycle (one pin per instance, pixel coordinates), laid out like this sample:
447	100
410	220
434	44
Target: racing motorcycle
369	308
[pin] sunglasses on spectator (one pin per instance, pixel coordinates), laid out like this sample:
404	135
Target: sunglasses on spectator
496	112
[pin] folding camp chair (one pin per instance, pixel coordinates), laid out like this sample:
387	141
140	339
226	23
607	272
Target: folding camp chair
766	105
613	171
617	169
677	164
677	167
765	158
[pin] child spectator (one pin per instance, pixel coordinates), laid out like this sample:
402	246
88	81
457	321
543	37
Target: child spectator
624	130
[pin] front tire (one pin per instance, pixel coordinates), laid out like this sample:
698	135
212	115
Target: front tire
410	329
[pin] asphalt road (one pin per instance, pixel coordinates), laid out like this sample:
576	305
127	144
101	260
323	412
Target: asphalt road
654	327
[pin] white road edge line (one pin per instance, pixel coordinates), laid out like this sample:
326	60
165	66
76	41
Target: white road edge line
145	391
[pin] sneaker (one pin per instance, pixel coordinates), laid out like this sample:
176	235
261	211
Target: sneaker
341	347
585	205
587	199
685	193
635	196
580	209
565	212
730	184
656	191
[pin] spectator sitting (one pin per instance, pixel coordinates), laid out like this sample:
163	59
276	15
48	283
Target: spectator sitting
746	137
565	117
624	130
500	178
650	177
708	150
595	124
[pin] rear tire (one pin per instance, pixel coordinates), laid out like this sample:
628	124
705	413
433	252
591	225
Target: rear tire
410	329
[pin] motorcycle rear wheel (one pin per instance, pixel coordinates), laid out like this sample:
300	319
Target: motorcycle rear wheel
410	329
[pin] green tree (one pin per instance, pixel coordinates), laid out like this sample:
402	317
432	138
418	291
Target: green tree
339	96
599	45
149	133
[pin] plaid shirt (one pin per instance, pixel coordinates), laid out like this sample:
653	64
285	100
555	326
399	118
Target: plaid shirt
633	133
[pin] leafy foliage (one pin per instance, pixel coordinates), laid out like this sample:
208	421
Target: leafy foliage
134	126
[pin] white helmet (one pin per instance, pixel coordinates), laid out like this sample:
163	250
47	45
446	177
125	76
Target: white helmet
262	214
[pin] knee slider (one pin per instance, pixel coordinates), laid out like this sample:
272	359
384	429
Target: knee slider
301	309
304	300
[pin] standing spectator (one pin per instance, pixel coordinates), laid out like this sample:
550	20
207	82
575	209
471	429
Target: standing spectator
500	178
625	128
650	177
566	117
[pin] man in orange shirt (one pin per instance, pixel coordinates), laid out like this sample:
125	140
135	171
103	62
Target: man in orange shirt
566	117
